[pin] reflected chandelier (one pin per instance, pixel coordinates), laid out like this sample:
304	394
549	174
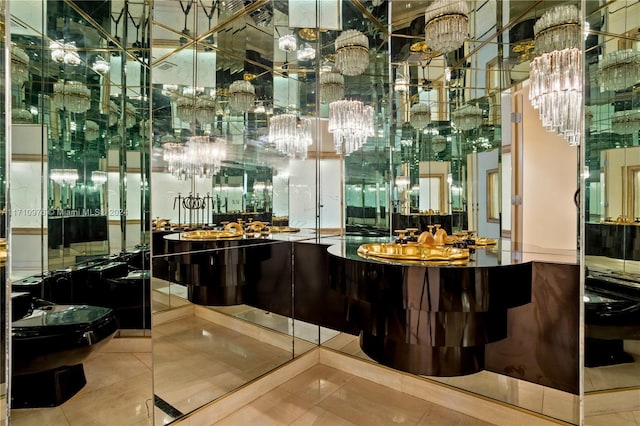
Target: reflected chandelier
351	123
467	117
288	43
625	122
200	156
420	116
98	177
91	130
619	70
72	95
19	65
447	25
242	95
64	53
555	75
21	116
291	134
64	176
331	87
352	52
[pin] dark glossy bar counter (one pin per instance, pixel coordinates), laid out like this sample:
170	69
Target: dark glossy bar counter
500	312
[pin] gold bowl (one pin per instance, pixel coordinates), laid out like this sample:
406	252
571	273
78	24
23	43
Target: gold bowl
412	252
279	229
211	235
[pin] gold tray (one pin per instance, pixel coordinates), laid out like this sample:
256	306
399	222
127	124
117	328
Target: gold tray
413	253
210	235
279	229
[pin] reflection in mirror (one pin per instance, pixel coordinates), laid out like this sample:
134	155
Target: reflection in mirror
5	299
80	210
612	163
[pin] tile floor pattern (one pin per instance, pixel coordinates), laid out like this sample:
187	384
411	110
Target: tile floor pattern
324	395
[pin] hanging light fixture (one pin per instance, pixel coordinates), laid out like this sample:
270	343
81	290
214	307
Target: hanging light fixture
64	53
420	115
306	53
130	115
185	107
555	74
200	156
72	95
113	113
625	122
352	52
98	177
19	65
401	84
91	130
100	65
288	43
467	117
64	176
438	143
619	70
242	95
205	109
351	123
291	134
446	25
331	87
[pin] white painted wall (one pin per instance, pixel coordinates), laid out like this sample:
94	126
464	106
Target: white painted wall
549	173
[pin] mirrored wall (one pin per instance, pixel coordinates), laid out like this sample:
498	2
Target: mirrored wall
611	198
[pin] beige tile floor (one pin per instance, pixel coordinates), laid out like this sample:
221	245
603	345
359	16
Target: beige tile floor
324	395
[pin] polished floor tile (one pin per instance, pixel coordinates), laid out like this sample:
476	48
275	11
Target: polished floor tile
323	395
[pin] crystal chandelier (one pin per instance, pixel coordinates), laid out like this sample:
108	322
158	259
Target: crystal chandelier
64	176
625	122
447	25
242	95
19	65
306	53
331	87
130	115
98	177
401	84
206	110
200	156
291	134
113	113
21	116
420	115
287	43
352	52
438	143
91	130
72	95
619	70
351	123
555	75
467	117
64	53
185	107
100	65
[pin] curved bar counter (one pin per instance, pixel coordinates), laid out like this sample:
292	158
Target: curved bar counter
429	318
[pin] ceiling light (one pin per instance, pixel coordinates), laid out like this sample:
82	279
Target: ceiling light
91	130
64	176
291	134
200	156
467	117
447	25
619	70
19	65
242	95
625	122
98	177
21	116
420	115
72	95
287	43
352	52
351	123
331	87
306	53
100	65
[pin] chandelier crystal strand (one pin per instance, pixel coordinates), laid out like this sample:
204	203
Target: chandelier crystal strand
173	153
130	115
185	107
467	117
91	130
290	134
331	87
200	156
98	177
625	122
113	113
438	143
242	95
420	115
352	52
447	25
351	123
619	70
19	65
72	95
555	74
